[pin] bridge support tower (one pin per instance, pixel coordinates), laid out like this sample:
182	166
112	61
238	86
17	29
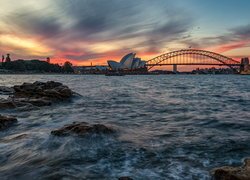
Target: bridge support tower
175	68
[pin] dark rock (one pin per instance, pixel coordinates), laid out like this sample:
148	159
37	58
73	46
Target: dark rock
50	90
125	178
6	121
36	94
233	173
7	104
82	129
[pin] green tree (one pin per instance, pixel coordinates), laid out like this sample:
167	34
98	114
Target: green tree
67	67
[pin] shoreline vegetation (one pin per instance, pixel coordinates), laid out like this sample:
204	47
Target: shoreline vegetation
34	67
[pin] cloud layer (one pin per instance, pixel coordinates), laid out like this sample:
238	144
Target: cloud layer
84	30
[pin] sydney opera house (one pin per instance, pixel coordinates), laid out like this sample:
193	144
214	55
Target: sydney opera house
128	63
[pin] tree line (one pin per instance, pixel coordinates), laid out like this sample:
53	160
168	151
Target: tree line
37	66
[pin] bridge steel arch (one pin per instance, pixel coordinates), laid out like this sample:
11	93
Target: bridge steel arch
217	59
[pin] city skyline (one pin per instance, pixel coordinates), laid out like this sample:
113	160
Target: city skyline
98	30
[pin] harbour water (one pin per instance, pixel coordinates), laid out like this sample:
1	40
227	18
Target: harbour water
168	127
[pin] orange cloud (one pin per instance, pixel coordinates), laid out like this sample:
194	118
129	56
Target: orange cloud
230	46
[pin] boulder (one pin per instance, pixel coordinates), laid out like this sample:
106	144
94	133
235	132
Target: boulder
36	94
6	121
233	173
50	90
82	129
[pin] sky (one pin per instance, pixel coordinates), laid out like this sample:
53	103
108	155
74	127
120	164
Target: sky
94	31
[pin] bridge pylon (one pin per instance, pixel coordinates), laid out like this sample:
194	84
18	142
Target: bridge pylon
175	68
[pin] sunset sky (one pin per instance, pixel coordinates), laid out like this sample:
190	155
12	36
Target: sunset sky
85	31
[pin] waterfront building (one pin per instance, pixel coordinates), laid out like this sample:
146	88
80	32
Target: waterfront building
245	66
128	62
48	60
8	59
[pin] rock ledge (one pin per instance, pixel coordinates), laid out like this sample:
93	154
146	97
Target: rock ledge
233	173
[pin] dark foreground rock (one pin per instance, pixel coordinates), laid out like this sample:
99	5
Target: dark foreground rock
50	90
36	94
82	129
233	173
6	121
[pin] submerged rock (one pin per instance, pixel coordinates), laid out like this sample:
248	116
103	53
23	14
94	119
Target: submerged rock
6	121
82	129
233	173
14	138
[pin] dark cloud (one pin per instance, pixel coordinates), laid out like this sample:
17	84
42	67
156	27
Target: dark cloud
118	19
34	22
242	31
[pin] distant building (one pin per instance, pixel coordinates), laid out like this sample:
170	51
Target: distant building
48	60
128	62
245	66
8	59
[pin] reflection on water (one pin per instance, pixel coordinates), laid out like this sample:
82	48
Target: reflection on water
169	127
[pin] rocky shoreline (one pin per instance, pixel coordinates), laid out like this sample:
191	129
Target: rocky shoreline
29	96
40	94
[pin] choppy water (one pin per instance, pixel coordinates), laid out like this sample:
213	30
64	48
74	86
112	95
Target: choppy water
169	127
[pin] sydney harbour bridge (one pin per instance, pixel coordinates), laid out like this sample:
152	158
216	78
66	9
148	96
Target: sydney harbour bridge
192	57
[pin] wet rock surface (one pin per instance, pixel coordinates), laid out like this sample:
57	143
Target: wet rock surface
6	121
50	90
81	129
36	94
233	173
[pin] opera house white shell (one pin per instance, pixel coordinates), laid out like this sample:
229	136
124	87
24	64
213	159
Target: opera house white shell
128	62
